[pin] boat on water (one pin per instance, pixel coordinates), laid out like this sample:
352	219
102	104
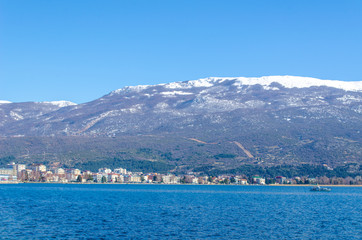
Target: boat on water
320	189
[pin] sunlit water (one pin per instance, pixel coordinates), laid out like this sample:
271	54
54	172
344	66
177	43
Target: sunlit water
65	211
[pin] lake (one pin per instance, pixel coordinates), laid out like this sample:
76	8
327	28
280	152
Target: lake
76	211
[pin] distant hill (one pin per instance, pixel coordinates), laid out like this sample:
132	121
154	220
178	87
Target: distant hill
218	123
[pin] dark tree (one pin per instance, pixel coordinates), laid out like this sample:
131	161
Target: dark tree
79	178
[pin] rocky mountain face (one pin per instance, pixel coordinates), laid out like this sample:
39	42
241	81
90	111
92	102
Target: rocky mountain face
13	113
224	122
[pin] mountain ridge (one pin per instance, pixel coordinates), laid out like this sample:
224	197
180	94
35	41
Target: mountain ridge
288	81
303	122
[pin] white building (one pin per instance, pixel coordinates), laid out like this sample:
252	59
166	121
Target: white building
38	167
98	177
59	171
19	167
243	182
120	170
105	170
76	172
113	177
7	171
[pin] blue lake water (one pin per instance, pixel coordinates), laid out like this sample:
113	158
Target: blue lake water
66	211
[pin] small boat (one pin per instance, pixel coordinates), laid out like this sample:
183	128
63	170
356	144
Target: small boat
320	189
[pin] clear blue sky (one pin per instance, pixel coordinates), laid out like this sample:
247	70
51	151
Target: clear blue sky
79	50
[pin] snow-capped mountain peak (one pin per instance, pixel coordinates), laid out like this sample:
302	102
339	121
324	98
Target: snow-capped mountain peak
265	81
4	102
286	81
300	82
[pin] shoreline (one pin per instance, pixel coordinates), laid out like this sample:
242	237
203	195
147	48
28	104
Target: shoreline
185	184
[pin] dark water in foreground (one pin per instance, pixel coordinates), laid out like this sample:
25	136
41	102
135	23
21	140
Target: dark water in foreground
64	211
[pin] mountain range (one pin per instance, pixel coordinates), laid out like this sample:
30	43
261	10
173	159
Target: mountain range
216	122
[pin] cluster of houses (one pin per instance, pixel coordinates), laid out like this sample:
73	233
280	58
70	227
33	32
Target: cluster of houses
15	173
40	173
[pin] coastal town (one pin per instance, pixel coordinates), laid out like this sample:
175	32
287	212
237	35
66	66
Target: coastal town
21	173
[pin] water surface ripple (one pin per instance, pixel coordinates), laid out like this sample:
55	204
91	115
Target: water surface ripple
66	211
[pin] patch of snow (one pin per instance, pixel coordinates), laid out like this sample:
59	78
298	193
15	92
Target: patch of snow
316	101
61	103
16	116
148	95
216	119
271	88
92	121
128	89
358	109
175	93
213	104
294	102
161	105
348	99
134	109
176	85
204	82
254	103
4	102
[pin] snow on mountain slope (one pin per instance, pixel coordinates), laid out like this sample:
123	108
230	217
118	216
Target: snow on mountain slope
127	107
282	119
56	103
204	82
137	88
175	93
61	103
300	82
266	81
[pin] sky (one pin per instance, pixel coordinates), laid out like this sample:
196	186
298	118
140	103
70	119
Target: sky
81	50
